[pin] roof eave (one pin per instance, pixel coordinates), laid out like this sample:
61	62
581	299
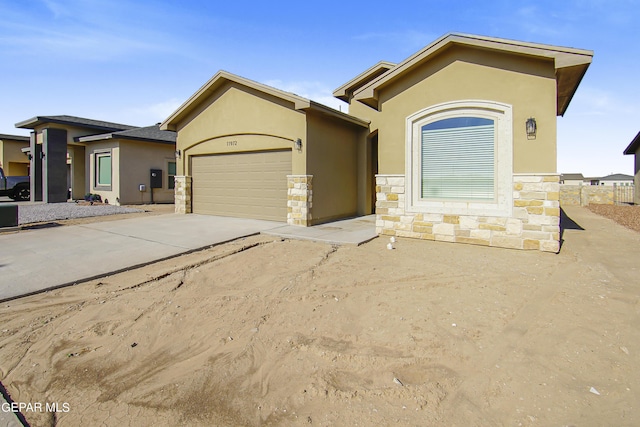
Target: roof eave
33	122
29	123
323	109
345	92
21	138
92	138
564	59
633	147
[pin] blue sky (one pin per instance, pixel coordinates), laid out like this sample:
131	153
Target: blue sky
134	62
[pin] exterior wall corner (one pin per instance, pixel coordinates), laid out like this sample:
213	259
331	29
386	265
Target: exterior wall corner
299	200
183	194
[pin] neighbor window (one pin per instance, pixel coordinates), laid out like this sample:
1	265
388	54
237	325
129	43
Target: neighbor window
459	159
103	169
171	169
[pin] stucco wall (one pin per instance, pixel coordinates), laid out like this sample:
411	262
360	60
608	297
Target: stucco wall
14	161
236	118
78	167
332	160
636	178
459	73
136	161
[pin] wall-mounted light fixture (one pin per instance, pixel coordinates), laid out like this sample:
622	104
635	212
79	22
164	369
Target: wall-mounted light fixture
298	144
177	153
532	128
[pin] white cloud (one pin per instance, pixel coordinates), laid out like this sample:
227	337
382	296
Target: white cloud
590	101
313	90
410	40
77	30
146	115
56	8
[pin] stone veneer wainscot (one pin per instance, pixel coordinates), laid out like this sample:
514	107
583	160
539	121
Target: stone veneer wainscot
182	194
299	199
534	224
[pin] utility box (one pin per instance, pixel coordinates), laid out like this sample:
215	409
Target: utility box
8	215
155	180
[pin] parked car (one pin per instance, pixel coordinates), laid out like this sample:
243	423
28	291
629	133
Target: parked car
16	187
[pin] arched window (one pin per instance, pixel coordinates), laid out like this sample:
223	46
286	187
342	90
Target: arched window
459	159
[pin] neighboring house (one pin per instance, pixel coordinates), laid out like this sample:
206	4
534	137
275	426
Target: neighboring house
456	143
13	159
92	156
618	179
572	179
591	180
634	150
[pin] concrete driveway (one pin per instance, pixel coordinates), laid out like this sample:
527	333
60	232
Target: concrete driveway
32	261
36	260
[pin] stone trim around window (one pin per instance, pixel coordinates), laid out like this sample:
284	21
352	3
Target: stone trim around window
502	115
534	225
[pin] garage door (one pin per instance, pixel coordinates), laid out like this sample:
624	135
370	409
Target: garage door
247	185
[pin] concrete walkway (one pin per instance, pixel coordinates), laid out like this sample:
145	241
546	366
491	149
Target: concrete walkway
36	260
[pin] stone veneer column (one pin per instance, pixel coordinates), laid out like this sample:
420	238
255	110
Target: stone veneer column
535	223
182	194
299	199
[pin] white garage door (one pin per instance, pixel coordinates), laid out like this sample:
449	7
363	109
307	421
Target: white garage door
247	185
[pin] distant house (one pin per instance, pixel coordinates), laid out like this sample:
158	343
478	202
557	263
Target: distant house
113	160
634	149
13	159
618	179
572	179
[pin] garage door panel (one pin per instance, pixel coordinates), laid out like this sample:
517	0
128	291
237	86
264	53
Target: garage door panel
249	185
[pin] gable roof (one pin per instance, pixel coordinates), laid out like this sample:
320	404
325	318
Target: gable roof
617	177
149	133
572	176
345	91
15	137
633	147
570	64
72	121
223	77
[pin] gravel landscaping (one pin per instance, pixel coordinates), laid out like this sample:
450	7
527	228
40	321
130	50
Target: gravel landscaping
46	212
626	215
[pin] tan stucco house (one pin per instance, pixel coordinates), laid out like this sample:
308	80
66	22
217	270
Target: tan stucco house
113	160
456	143
634	150
13	159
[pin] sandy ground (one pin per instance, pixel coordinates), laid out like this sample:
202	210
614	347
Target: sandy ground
265	332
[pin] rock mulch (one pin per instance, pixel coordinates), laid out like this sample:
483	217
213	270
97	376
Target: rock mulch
46	212
626	215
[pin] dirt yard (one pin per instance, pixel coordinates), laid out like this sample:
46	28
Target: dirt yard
264	332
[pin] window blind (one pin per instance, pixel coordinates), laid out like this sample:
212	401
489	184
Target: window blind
458	159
